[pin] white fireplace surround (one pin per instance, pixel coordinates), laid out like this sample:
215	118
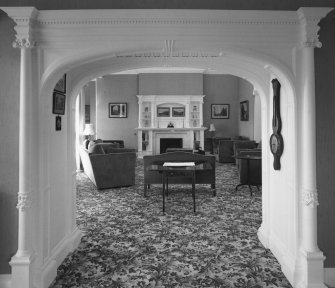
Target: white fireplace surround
185	135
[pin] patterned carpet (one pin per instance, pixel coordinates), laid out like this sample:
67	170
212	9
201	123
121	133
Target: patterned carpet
128	242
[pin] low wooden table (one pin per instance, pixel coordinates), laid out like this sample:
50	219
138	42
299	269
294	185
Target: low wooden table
179	171
179	150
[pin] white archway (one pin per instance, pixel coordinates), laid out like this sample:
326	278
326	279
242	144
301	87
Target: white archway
228	42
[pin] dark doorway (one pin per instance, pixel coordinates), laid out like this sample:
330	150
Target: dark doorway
170	143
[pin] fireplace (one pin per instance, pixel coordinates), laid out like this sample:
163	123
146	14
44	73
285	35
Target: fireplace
170	143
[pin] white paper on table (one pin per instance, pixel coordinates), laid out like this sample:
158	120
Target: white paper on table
178	164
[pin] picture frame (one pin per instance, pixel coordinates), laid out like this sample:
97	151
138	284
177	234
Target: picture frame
58	104
220	111
163	111
178	111
58	123
117	110
244	110
61	85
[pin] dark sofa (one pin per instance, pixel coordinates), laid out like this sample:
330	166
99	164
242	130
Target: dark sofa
154	177
107	170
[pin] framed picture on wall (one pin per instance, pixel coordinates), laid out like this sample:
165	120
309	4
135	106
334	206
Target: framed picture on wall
61	85
117	110
58	105
163	111
220	111
178	111
244	110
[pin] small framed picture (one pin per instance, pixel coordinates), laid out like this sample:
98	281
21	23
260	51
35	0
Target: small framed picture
58	106
178	111
58	123
244	110
220	111
117	110
163	111
61	85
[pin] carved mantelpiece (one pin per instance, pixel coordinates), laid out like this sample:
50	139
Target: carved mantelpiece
172	116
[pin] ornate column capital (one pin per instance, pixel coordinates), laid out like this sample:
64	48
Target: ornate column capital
25	19
309	19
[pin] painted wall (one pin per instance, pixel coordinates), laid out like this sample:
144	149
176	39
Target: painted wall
9	143
245	93
325	125
222	89
219	89
170	84
117	89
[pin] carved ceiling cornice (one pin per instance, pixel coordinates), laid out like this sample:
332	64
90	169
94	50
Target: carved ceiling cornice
79	26
157	21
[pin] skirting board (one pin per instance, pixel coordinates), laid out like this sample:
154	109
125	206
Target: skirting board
5	280
330	277
68	245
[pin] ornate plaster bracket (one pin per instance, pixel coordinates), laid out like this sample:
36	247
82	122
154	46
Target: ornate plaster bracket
24	201
310	197
25	19
169	47
309	19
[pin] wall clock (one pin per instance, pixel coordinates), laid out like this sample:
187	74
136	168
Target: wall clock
276	139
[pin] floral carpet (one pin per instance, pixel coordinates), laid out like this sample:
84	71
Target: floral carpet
129	242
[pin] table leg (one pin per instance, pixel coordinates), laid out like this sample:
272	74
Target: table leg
163	192
193	190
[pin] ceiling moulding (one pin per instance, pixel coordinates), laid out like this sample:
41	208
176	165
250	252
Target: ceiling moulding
63	28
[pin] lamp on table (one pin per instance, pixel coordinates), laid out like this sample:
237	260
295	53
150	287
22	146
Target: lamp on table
212	135
88	131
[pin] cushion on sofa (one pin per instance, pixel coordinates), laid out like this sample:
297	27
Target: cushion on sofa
92	142
109	146
96	149
120	150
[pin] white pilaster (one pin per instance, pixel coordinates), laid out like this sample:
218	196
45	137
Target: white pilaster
311	256
21	262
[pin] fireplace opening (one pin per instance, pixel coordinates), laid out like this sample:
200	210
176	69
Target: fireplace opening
170	143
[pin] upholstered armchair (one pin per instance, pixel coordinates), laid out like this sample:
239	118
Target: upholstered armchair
116	168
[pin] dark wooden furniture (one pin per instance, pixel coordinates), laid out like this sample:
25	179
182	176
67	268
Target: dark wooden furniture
250	170
202	177
172	172
168	150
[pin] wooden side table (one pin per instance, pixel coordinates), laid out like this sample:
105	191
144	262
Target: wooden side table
250	181
179	171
